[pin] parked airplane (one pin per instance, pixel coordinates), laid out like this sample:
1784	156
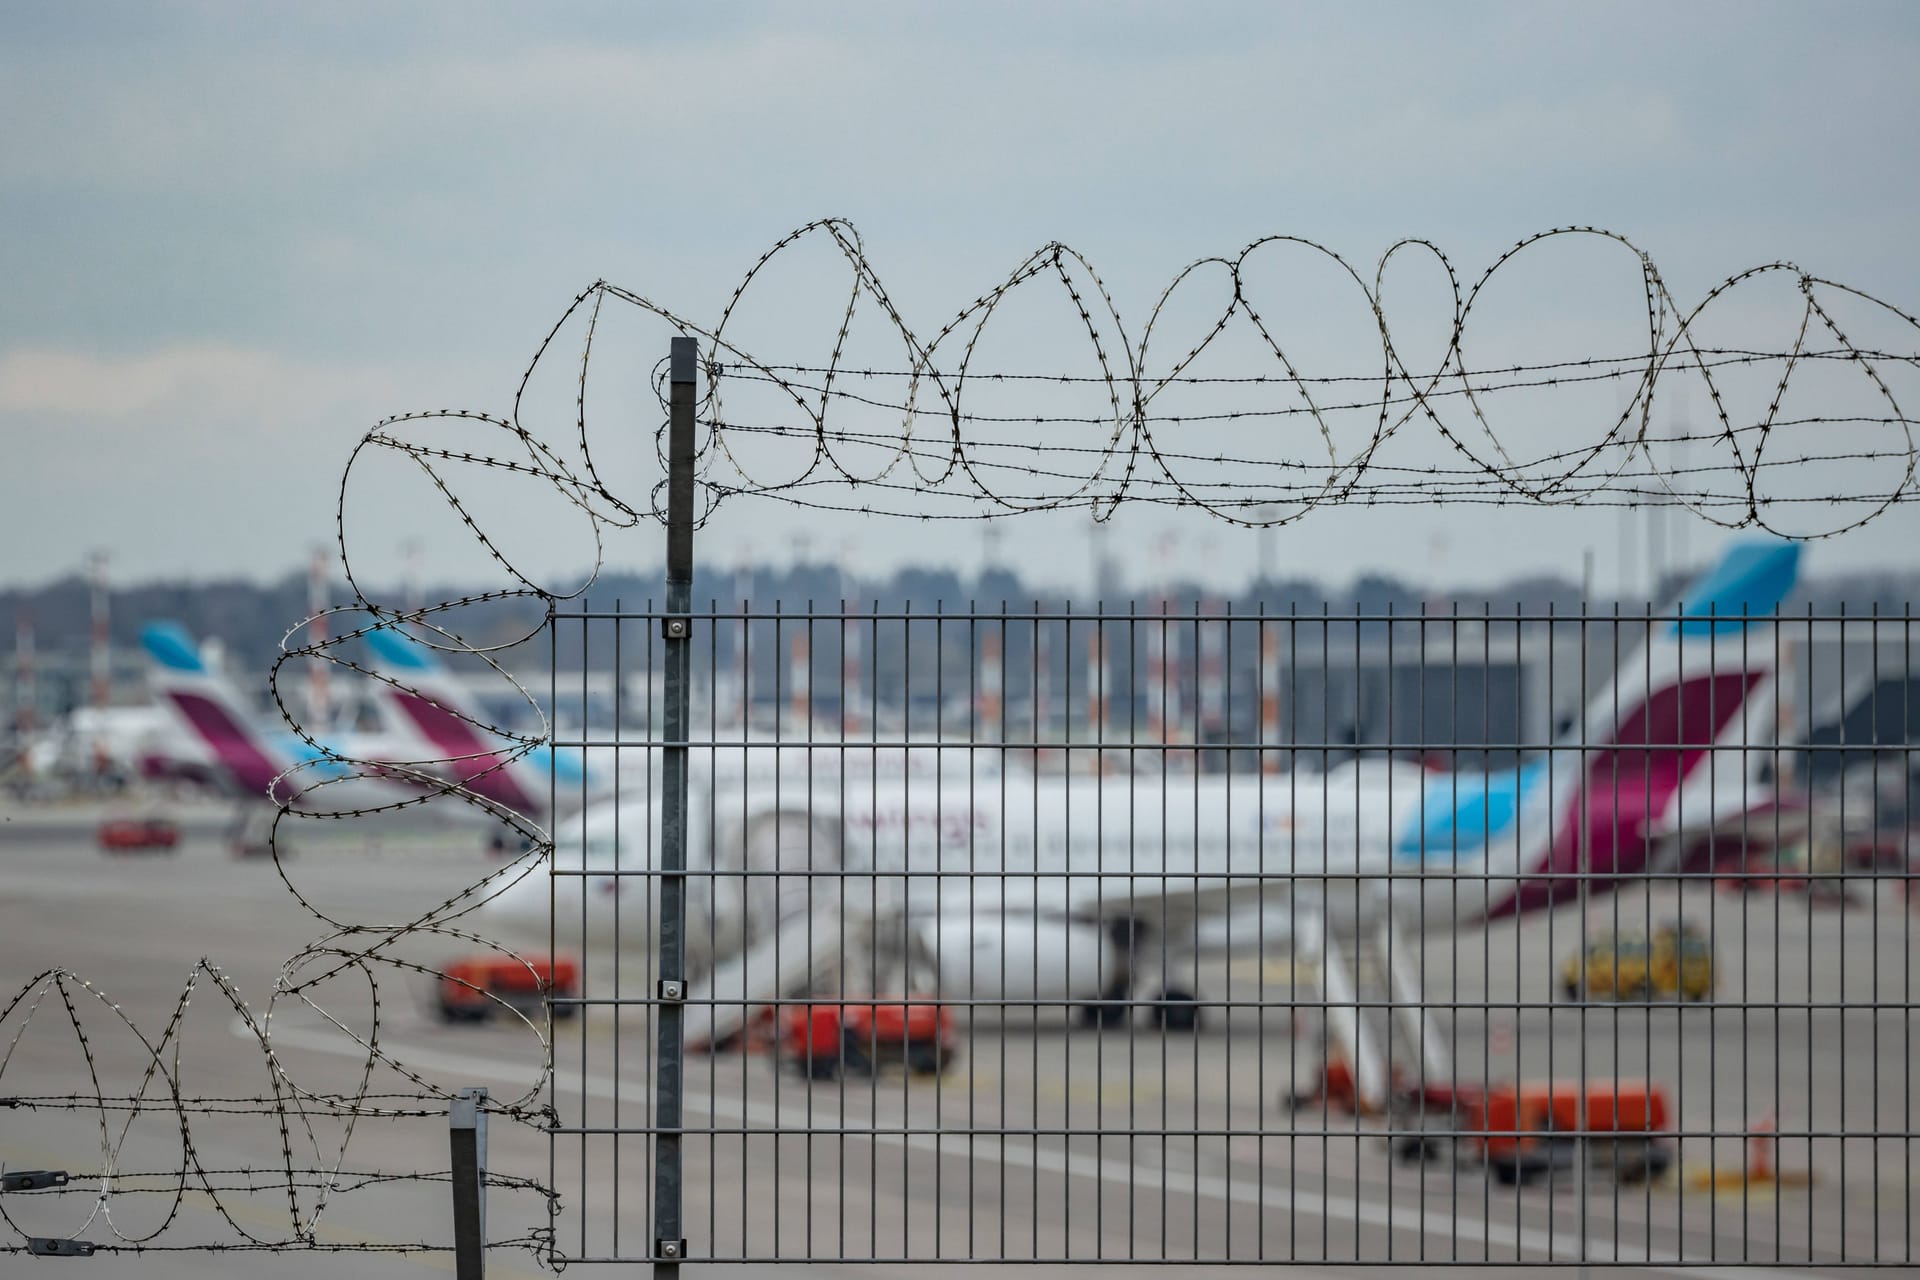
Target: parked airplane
1056	890
442	712
438	707
114	746
353	772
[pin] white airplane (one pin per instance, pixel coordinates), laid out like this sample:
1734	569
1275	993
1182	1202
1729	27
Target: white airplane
1074	890
115	744
348	773
440	709
437	708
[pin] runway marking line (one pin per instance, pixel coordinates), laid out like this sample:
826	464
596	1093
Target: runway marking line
1136	1178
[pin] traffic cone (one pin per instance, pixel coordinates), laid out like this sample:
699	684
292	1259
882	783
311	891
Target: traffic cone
1761	1169
1761	1149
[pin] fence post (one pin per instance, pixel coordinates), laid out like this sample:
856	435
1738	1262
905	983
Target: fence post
467	1134
669	1239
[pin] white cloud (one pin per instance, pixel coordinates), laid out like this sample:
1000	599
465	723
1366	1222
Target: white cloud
203	380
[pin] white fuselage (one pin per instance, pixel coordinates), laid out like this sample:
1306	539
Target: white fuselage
1012	884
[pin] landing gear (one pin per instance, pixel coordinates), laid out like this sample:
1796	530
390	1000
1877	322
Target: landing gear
1115	1002
1177	1010
1106	1013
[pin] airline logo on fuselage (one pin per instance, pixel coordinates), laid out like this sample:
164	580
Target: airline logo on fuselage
954	827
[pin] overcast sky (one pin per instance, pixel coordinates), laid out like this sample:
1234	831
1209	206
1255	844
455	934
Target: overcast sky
236	235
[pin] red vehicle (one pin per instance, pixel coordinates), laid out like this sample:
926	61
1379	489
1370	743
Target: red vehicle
474	987
1534	1127
825	1040
118	835
1525	1131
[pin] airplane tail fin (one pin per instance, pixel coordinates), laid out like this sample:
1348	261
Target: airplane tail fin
1664	758
1708	668
1745	587
440	708
425	694
1675	744
208	709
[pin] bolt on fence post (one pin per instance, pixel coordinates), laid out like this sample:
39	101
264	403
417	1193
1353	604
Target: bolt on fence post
669	1242
467	1134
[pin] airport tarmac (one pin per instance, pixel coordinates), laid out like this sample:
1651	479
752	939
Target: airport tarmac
1042	1142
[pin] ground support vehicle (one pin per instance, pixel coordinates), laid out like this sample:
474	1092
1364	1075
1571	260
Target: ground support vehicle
475	987
124	835
826	1041
1532	1128
1674	963
1523	1131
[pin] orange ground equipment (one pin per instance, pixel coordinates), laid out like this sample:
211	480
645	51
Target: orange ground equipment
1530	1128
472	988
1524	1131
826	1041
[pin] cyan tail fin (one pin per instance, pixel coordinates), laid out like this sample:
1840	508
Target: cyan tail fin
1750	580
399	652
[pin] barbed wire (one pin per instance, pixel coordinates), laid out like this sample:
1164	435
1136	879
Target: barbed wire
910	438
936	455
310	1161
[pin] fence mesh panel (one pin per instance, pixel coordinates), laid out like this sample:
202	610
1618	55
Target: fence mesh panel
1205	936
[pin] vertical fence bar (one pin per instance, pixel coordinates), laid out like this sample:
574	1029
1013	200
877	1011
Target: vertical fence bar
467	1137
553	938
670	1244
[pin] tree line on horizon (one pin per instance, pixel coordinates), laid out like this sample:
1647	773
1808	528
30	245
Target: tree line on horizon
250	618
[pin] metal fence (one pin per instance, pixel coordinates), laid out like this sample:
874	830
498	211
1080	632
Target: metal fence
1156	933
1192	936
1178	936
